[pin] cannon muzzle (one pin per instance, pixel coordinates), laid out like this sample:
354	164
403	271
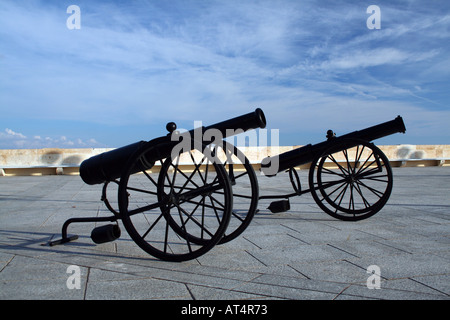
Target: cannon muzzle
108	166
252	120
272	165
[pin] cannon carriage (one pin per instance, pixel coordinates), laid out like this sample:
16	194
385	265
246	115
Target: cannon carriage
193	202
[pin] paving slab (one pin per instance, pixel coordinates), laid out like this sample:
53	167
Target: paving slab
302	254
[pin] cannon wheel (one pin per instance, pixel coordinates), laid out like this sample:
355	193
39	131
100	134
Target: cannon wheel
243	180
166	214
356	188
245	188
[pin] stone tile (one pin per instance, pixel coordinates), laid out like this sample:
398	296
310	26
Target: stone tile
132	289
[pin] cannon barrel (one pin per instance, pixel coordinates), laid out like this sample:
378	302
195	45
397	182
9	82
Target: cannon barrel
108	166
252	120
272	165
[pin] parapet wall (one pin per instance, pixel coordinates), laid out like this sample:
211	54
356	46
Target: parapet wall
67	161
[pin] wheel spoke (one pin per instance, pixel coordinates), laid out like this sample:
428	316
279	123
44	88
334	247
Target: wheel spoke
358	189
152	226
341	195
376	192
144	208
343	170
200	225
183	227
141	190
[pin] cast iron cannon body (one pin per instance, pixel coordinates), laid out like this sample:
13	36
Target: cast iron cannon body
309	152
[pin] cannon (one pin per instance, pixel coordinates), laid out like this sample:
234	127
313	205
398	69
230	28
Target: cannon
183	208
108	166
349	177
205	192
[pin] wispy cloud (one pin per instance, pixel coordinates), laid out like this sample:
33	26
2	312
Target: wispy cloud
376	57
139	64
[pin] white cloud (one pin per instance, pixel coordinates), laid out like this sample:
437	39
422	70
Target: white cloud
376	57
12	134
10	139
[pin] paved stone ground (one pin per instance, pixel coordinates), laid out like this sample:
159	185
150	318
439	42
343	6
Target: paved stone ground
301	254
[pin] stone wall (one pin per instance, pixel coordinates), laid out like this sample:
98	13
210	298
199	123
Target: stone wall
67	161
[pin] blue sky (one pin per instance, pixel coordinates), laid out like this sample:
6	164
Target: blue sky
133	66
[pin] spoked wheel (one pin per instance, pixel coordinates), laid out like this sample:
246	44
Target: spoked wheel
353	183
245	188
180	213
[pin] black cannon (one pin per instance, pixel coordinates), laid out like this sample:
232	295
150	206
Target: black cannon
349	177
108	166
204	191
181	208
